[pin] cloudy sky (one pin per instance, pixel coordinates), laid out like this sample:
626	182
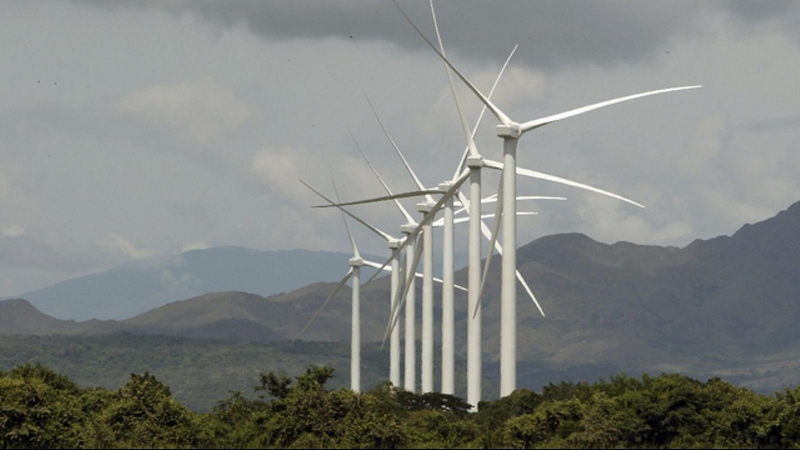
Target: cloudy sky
132	129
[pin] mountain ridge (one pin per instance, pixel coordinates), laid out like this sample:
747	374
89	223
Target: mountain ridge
139	286
726	305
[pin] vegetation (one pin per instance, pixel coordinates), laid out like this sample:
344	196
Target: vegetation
199	372
43	409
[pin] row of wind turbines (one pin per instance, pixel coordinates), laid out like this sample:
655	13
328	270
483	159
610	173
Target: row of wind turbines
452	201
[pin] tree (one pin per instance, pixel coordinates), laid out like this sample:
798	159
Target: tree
38	409
144	414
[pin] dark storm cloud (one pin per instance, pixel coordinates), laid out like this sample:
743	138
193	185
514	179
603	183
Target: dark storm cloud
757	11
550	33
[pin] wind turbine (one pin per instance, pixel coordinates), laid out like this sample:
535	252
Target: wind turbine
475	162
448	320
510	131
356	262
409	229
410	288
427	279
447	278
355	319
412	229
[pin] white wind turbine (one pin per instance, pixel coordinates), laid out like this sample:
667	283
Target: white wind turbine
410	312
412	230
510	131
356	262
355	319
448	307
475	162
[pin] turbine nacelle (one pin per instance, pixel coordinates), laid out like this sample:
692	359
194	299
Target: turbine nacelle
425	207
408	228
444	186
511	130
394	244
356	262
475	162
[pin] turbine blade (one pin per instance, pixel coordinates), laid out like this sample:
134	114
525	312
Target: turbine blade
498	217
487	234
403	211
530	293
519	213
400	296
493	165
530	125
399	153
490	216
401	301
473	149
494	109
586	187
539	197
555	179
451	191
483	111
381	199
356	218
325	303
344	219
493	199
377	266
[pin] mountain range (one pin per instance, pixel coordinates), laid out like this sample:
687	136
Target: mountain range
142	285
726	306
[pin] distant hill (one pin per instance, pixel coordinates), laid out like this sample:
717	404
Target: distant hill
726	306
139	286
18	316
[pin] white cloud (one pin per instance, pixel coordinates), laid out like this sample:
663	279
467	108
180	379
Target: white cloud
200	111
127	248
194	246
709	137
14	231
299	225
281	167
611	222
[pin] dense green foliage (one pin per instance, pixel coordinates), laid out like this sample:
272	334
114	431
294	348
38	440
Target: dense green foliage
42	409
199	372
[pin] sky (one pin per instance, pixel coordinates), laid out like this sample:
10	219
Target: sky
139	129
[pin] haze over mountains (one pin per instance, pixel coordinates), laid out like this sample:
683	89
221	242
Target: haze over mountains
726	306
142	285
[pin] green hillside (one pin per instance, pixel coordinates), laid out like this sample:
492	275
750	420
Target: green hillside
200	372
